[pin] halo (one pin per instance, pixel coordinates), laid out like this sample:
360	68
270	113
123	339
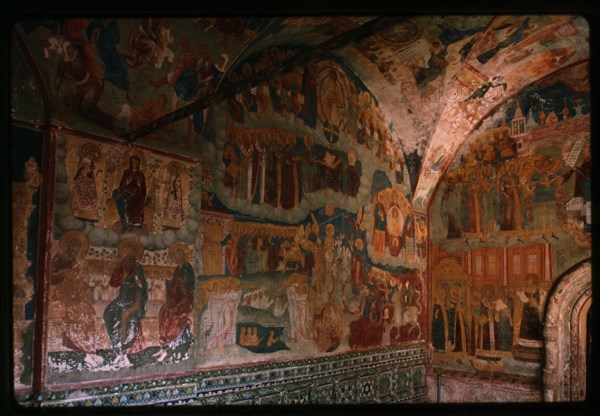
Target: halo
358	243
74	235
401	34
176	246
90	150
352	153
174	168
135	244
134	152
231	227
329	227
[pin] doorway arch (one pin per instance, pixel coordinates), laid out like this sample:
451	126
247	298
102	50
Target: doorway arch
565	332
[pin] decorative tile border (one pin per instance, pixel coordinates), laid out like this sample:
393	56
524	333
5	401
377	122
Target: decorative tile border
393	374
323	394
383	384
299	396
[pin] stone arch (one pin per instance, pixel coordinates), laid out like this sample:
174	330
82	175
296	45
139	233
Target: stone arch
564	335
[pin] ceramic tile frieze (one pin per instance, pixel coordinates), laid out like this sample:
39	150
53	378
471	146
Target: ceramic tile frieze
388	375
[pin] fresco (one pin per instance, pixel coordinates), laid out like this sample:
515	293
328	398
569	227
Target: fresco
118	308
118	75
510	216
120	267
309	287
267	165
395	229
496	70
286	293
263	252
136	286
325	143
122	74
534	155
419	58
433	62
491	327
292	223
26	180
113	191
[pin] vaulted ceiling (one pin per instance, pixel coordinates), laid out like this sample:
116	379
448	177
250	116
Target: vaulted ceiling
434	77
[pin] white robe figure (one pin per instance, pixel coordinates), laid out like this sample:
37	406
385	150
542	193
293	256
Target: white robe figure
220	318
232	301
298	312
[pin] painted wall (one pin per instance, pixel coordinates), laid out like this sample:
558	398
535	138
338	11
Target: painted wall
511	215
293	243
293	239
457	387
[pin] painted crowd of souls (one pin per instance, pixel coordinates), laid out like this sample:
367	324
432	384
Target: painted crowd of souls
267	165
516	195
489	323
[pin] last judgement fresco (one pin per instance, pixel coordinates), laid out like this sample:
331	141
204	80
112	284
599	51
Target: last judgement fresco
149	269
404	204
230	286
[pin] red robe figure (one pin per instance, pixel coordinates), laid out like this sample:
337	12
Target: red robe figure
130	196
173	318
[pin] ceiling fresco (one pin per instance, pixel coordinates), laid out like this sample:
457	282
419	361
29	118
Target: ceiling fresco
434	78
418	58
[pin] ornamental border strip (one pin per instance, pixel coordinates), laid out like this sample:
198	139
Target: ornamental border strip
256	380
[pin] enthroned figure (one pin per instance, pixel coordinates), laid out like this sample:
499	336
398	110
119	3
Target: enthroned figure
130	196
123	315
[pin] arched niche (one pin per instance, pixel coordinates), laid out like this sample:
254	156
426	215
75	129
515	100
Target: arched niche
565	332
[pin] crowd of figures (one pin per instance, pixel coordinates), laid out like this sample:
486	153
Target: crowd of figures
72	300
334	273
498	192
268	165
489	322
323	91
122	312
91	63
90	59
